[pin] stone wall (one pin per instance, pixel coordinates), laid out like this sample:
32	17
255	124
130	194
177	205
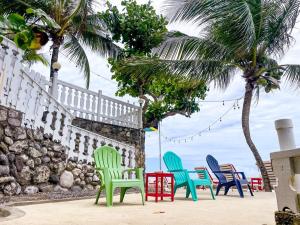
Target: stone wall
31	161
127	135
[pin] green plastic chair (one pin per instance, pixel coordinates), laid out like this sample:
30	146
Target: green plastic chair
108	166
182	178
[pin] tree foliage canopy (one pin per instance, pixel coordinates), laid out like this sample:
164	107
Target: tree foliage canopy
141	30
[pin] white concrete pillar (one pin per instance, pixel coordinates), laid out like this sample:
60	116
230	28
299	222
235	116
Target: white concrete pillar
285	133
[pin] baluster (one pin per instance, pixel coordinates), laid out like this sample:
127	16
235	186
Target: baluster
123	157
88	102
93	107
81	156
99	106
109	120
77	146
69	97
114	105
72	144
130	159
76	99
81	106
104	110
63	95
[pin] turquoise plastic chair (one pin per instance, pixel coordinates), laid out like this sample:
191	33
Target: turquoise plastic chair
182	178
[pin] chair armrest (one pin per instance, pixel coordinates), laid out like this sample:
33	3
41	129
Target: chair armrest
242	173
174	171
138	172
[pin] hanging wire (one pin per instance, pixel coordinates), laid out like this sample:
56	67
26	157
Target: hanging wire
207	129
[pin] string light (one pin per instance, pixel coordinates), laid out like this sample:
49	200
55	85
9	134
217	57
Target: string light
207	129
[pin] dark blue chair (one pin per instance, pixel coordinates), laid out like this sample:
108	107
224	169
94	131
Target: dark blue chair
223	182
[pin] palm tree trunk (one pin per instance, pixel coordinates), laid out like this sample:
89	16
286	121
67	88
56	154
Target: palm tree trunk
246	130
55	53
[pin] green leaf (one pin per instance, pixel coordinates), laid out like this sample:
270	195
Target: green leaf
15	20
1	39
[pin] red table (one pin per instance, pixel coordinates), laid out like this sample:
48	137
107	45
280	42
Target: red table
256	182
159	177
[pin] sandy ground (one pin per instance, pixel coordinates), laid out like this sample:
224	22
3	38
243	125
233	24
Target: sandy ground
231	210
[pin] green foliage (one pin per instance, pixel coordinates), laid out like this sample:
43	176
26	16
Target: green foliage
138	27
72	25
141	30
165	95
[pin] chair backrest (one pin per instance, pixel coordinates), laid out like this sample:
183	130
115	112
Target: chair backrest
231	167
214	166
108	157
201	175
173	162
271	175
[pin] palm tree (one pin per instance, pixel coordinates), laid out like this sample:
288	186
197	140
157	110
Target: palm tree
79	24
239	37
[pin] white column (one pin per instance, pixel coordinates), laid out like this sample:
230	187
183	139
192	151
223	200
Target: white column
285	133
54	86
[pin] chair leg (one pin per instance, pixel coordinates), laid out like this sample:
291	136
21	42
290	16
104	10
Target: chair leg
240	188
212	192
218	189
194	193
250	190
109	194
122	193
188	191
227	188
98	195
143	194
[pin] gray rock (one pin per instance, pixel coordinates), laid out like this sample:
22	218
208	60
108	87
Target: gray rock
13	113
76	172
18	146
4	170
38	134
12	189
34	153
76	188
71	166
50	154
89	174
41	175
3	115
57	148
77	181
24	157
54	179
81	176
8	140
30	163
24	177
19	163
3	160
66	179
82	183
58	188
46	188
30	190
79	166
44	150
14	122
88	180
8	131
19	133
89	187
11	157
4	180
95	178
46	159
37	161
3	147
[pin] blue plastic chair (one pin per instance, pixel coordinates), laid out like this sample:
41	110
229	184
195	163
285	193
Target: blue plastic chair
223	182
182	178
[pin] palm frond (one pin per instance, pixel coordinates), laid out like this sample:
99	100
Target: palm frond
75	52
30	57
292	74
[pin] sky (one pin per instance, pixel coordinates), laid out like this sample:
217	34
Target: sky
225	141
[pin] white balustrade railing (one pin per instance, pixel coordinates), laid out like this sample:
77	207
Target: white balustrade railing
82	144
92	105
26	91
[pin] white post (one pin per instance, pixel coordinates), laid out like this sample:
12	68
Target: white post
54	87
285	133
99	105
159	143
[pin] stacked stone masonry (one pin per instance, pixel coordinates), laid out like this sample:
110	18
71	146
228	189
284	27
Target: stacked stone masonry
31	161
